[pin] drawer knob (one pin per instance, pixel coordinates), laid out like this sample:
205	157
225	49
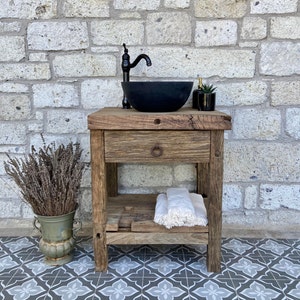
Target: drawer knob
156	151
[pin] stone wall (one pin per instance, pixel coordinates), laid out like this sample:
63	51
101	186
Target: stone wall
60	61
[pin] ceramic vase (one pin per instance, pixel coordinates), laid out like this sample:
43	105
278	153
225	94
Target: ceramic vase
57	241
207	101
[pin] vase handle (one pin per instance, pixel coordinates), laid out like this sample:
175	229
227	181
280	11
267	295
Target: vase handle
77	225
37	225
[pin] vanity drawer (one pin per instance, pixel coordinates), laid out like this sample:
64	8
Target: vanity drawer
157	146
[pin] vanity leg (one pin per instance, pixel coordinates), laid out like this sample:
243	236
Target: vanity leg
112	179
215	202
203	179
99	198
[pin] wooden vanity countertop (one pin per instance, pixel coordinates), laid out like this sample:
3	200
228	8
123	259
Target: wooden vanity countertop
115	118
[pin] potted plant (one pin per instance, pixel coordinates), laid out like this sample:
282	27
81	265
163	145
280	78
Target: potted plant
207	99
204	98
49	181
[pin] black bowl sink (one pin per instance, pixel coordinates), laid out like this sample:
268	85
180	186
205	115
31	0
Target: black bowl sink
157	96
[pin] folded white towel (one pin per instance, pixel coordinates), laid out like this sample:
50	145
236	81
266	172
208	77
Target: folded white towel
161	209
179	214
180	207
200	210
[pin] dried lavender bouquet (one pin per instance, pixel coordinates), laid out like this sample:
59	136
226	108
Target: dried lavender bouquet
49	179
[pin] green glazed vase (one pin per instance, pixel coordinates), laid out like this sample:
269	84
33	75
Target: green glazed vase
57	242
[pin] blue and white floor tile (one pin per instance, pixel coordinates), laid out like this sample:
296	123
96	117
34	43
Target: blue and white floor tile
260	269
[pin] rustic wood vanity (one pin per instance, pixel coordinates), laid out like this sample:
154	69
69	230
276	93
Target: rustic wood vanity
128	136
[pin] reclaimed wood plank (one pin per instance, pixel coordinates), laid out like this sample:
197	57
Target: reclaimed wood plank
99	196
136	212
215	202
150	226
112	179
114	118
136	238
162	146
113	218
203	179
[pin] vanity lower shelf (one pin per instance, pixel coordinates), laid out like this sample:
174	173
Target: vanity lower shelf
130	221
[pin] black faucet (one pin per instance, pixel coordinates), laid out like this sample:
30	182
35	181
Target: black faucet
126	66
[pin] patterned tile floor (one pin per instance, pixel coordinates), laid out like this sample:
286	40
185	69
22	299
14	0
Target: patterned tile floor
262	269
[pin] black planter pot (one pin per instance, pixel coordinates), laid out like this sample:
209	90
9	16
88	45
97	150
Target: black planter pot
206	101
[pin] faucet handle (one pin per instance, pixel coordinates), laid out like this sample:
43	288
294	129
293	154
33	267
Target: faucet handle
125	63
125	49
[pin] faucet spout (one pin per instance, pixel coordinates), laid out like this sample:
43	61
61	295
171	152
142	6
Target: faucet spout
126	66
139	58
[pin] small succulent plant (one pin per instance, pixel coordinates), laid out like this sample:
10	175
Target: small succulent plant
207	89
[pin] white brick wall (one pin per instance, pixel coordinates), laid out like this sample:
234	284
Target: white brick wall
60	61
273	6
28	9
115	32
160	28
12	48
136	5
280	90
98	93
177	3
84	65
259	161
87	8
14	107
188	62
46	36
220	9
280	58
55	95
216	33
254	28
281	27
267	125
293	122
24	71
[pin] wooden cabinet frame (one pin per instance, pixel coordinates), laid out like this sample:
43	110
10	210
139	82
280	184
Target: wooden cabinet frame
155	137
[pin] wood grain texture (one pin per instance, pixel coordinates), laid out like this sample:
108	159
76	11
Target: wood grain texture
215	201
188	135
203	179
99	197
113	118
160	146
112	179
127	238
150	226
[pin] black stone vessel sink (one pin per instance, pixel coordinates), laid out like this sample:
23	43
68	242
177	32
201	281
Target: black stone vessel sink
157	96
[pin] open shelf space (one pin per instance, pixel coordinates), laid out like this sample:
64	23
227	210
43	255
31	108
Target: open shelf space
135	213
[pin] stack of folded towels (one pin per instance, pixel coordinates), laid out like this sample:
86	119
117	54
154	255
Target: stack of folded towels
178	207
